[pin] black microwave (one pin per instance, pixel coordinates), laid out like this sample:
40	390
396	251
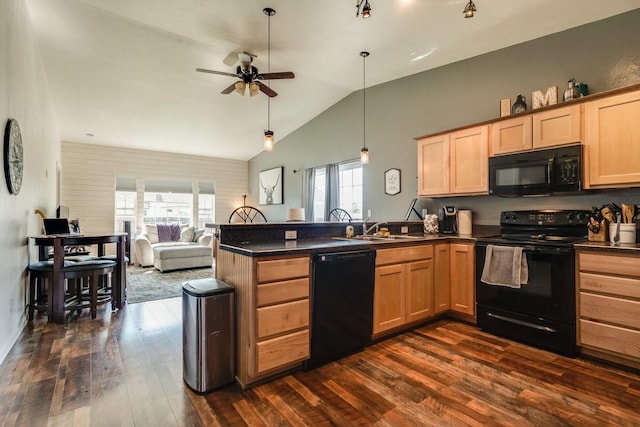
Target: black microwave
539	172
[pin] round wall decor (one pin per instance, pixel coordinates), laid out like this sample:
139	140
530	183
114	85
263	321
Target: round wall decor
13	156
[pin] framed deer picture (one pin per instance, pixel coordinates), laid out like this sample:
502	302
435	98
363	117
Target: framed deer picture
271	188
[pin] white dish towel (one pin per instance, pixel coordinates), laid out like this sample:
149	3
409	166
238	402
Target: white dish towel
505	266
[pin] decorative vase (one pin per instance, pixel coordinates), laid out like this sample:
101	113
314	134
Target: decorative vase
520	105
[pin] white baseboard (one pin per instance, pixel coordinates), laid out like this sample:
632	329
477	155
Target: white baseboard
4	351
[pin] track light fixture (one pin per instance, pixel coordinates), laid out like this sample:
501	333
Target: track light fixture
469	9
268	133
364	152
363	8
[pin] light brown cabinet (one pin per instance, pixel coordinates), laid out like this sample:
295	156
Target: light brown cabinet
609	304
442	294
403	291
273	312
462	278
612	138
454	163
544	129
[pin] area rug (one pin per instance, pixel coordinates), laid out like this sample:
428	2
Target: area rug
149	284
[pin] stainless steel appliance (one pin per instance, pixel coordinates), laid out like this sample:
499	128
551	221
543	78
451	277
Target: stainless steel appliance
539	172
541	312
448	220
342	304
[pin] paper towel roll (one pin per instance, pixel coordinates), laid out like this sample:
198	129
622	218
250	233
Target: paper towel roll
295	214
464	222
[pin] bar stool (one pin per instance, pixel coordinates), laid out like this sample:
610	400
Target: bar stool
40	276
89	285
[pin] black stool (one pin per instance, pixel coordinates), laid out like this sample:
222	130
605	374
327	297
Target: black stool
40	275
86	289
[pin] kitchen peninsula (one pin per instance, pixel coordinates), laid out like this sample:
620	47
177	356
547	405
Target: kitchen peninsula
417	277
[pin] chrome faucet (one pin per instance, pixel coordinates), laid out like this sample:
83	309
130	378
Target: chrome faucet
366	230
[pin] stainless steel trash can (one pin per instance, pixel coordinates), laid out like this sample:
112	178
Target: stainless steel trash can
208	334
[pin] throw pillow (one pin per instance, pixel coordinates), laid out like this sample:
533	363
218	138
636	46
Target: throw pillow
152	233
197	234
168	232
187	235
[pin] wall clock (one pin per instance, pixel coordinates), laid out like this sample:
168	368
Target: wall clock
13	156
392	182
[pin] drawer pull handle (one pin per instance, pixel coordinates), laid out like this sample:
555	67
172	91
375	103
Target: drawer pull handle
522	323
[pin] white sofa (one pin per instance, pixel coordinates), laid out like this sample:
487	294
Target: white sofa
193	249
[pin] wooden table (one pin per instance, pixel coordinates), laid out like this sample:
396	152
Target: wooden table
56	289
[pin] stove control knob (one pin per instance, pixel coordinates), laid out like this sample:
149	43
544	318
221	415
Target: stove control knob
570	216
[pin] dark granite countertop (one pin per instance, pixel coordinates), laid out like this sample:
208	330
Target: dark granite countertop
621	247
332	244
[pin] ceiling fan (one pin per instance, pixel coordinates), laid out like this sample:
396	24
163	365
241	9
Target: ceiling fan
248	75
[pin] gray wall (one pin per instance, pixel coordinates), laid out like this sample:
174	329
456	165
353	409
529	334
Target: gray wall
604	54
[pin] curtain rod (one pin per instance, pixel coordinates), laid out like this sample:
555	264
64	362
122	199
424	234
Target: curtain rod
339	163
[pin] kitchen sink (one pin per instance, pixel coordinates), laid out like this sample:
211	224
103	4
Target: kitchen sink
380	238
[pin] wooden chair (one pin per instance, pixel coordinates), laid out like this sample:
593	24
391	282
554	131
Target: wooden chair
247	214
338	214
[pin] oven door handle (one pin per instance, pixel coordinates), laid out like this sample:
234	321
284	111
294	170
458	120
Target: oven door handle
521	322
547	251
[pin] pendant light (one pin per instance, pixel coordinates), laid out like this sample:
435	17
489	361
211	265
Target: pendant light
469	9
364	153
268	133
363	8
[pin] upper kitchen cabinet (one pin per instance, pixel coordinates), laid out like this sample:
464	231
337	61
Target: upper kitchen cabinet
454	163
549	128
433	165
509	136
612	140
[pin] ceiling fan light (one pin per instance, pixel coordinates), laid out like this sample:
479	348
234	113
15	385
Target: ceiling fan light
469	9
366	10
240	87
268	140
254	89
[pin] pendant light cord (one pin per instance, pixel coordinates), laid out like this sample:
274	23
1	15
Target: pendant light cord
269	72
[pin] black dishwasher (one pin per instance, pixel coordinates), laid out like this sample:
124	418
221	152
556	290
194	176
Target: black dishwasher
342	304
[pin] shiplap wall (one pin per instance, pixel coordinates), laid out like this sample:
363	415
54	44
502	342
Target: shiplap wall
88	179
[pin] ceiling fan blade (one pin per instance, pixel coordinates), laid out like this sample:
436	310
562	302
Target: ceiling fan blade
267	90
229	89
276	76
221	73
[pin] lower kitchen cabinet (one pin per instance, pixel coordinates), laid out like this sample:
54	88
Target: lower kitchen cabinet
608	287
462	278
404	288
272	312
442	291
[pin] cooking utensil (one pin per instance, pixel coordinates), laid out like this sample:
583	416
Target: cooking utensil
607	213
616	237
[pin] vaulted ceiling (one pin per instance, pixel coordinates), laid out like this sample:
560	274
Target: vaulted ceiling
123	71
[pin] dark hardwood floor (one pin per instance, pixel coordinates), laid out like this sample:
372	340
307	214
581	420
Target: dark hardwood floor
125	368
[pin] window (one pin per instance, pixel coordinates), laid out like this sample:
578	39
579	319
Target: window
349	187
168	202
206	204
319	191
126	199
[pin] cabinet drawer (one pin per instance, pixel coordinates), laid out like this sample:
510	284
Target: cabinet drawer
612	264
281	269
611	310
398	255
612	338
282	351
280	318
277	292
623	286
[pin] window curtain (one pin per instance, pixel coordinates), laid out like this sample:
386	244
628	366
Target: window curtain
332	177
308	184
